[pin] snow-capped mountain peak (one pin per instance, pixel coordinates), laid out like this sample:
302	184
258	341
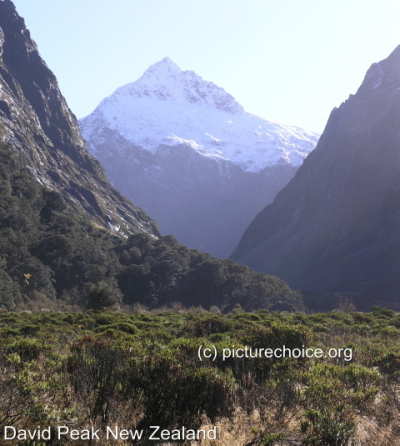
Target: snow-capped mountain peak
162	69
169	107
189	155
165	81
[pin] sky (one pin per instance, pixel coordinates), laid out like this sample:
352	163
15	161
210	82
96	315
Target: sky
291	61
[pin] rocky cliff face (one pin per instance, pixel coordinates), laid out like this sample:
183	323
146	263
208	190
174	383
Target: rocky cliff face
36	121
186	152
335	226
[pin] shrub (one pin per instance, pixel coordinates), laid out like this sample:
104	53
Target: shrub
104	296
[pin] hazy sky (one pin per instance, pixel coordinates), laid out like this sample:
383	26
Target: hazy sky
284	60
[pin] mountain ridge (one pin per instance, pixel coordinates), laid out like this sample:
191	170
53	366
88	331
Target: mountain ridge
333	227
36	121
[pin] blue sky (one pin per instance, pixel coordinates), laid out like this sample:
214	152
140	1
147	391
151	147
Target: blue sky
291	60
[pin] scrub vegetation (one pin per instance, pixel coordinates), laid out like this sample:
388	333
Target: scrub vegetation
141	368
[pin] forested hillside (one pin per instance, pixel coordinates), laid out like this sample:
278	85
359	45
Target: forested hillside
48	252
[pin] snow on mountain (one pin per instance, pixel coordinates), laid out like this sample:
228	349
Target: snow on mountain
188	154
169	106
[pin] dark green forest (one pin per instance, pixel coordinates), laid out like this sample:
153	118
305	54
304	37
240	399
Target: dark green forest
50	255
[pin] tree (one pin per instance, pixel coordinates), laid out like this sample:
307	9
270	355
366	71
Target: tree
104	296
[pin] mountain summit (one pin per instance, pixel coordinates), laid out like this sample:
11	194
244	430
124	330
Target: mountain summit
186	152
170	106
166	81
334	227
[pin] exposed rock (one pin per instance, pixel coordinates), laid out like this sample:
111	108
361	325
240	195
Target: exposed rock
36	121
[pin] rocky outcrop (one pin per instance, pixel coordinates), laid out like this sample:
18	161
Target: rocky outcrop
36	121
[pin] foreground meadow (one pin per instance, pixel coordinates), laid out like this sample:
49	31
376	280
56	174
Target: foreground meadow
92	370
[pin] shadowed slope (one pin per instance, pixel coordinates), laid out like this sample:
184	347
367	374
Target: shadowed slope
335	226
